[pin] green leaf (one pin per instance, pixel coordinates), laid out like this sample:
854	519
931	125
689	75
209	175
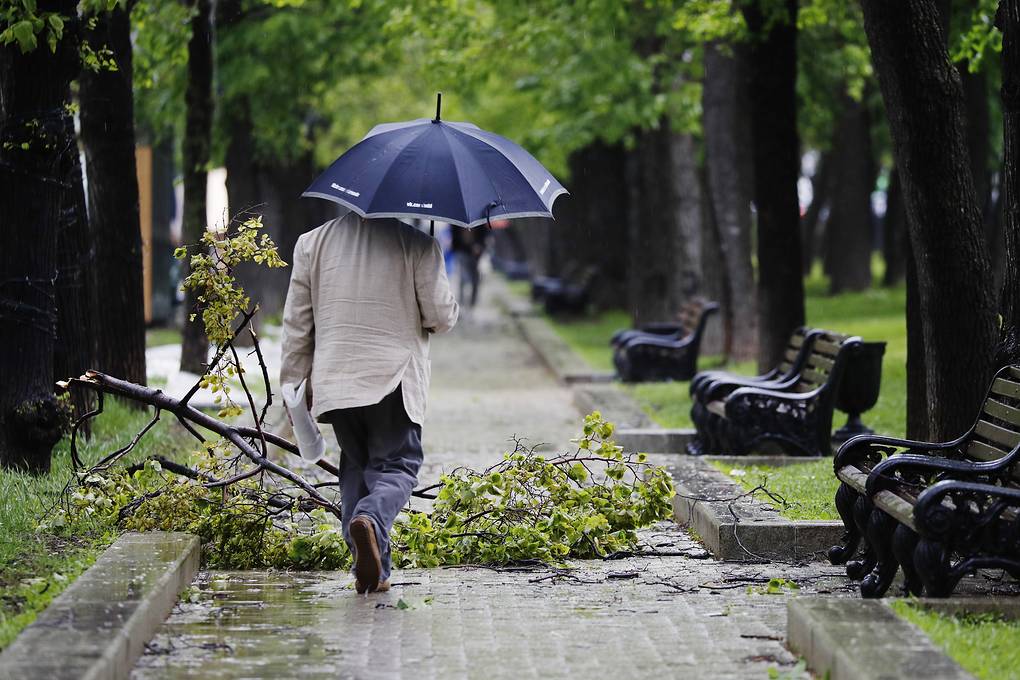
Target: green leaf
25	36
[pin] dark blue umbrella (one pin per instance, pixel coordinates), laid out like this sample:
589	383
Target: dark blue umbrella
438	170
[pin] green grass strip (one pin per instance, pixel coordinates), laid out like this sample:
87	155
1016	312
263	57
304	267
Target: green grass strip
985	645
37	566
808	488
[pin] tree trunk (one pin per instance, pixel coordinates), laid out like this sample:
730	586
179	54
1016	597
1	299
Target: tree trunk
895	239
819	197
108	135
197	134
918	425
728	181
653	293
75	295
1008	20
591	226
924	101
776	153
33	146
850	231
687	274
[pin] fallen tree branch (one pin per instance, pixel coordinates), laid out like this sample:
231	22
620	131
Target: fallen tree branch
161	401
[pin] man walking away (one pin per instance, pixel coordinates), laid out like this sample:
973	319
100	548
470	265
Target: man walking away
364	297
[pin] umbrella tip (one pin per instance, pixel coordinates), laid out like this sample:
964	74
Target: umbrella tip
439	105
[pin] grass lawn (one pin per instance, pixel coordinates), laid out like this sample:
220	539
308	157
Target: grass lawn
36	566
808	488
876	314
984	645
154	337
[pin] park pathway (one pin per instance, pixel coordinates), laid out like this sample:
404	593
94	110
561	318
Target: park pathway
682	615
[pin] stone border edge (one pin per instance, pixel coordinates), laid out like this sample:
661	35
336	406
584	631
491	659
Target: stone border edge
755	532
119	646
853	639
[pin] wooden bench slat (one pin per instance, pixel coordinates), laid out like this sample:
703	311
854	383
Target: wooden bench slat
900	509
997	409
999	435
1015	372
984	452
826	347
820	361
853	476
812	377
1006	388
797	340
784	367
790	355
718	407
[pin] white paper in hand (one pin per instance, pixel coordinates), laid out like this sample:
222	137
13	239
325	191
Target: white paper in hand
306	430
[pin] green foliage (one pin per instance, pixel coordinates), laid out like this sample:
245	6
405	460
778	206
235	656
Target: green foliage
983	644
212	275
24	24
528	507
808	489
775	586
587	504
976	36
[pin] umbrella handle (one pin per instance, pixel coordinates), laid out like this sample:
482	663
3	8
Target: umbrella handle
488	211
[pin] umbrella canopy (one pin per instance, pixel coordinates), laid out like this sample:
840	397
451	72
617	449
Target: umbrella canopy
438	170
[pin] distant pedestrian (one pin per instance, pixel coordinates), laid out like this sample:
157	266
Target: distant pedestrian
364	297
469	247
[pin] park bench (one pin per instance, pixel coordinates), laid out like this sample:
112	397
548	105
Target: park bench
795	418
663	351
708	385
937	510
570	296
540	285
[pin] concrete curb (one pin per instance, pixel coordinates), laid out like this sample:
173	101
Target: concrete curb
852	639
739	529
99	626
654	439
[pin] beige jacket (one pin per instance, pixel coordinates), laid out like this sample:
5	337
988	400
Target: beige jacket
364	296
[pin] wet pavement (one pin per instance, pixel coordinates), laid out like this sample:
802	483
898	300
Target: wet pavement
679	614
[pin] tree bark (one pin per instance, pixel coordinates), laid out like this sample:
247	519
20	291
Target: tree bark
819	197
924	101
197	135
592	227
33	147
895	239
108	135
75	295
656	267
776	153
850	230
688	279
1008	20
728	182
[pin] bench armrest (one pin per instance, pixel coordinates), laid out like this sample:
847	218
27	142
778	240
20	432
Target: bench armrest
936	520
655	341
625	334
888	473
855	449
713	389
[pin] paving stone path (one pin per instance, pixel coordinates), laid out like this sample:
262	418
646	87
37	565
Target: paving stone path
681	615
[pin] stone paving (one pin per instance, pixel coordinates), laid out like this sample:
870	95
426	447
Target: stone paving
679	614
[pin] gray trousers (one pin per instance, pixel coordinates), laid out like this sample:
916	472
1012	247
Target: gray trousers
381	455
